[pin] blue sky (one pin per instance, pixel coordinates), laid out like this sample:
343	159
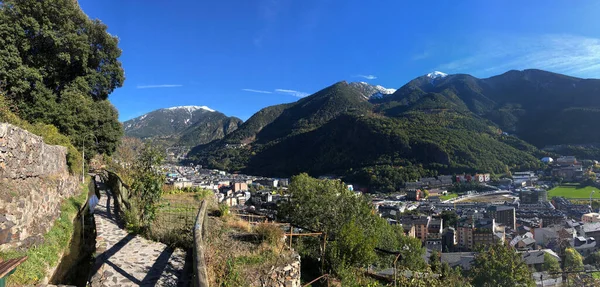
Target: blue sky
240	56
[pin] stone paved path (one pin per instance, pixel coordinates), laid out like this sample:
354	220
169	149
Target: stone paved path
124	259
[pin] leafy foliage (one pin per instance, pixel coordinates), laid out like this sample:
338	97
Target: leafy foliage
500	265
468	186
58	67
387	178
551	264
449	217
147	184
351	222
573	260
270	233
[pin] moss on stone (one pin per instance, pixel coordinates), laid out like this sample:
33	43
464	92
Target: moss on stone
47	254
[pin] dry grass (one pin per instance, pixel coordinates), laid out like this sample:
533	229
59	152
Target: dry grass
239	224
236	256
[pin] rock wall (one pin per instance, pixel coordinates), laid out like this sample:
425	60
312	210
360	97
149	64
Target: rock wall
283	276
34	179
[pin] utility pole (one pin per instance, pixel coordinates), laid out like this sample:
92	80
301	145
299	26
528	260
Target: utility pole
83	160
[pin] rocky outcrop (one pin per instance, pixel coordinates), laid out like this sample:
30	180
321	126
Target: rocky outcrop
34	179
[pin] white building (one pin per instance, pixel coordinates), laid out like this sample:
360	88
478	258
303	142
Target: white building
590	217
547	160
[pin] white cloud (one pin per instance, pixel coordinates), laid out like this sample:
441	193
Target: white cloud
568	54
421	56
257	91
157	86
368	77
292	92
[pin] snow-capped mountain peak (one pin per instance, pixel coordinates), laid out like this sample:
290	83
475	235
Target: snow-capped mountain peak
385	90
372	91
191	108
436	74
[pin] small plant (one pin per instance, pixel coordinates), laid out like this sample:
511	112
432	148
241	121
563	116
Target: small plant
202	194
232	275
270	234
223	210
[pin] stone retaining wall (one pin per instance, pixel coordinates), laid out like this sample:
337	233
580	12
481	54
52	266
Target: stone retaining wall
23	154
283	276
34	179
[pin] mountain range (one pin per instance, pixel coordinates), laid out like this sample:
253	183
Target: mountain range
434	124
181	126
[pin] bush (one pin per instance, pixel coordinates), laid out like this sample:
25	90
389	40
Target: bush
270	233
132	217
223	210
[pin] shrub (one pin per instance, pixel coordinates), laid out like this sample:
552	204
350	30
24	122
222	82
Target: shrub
202	193
223	210
270	233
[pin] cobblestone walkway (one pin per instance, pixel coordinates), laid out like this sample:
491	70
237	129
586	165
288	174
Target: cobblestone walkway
124	259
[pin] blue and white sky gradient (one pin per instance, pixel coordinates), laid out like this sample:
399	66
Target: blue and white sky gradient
238	56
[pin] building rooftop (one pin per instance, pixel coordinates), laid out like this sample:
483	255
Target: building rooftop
500	208
462	259
591	227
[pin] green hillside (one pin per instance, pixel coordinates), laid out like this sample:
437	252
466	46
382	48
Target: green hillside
336	130
181	126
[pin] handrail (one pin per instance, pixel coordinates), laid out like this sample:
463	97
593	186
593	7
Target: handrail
326	276
200	268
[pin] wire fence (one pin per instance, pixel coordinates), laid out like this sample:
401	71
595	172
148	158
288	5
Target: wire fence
177	214
174	223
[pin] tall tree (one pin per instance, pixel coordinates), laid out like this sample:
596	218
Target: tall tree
573	263
551	264
434	262
573	260
500	265
449	217
58	67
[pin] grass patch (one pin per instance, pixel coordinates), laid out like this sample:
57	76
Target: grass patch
573	191
49	252
449	196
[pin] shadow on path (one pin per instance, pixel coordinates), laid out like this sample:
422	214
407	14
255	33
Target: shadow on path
158	267
112	251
